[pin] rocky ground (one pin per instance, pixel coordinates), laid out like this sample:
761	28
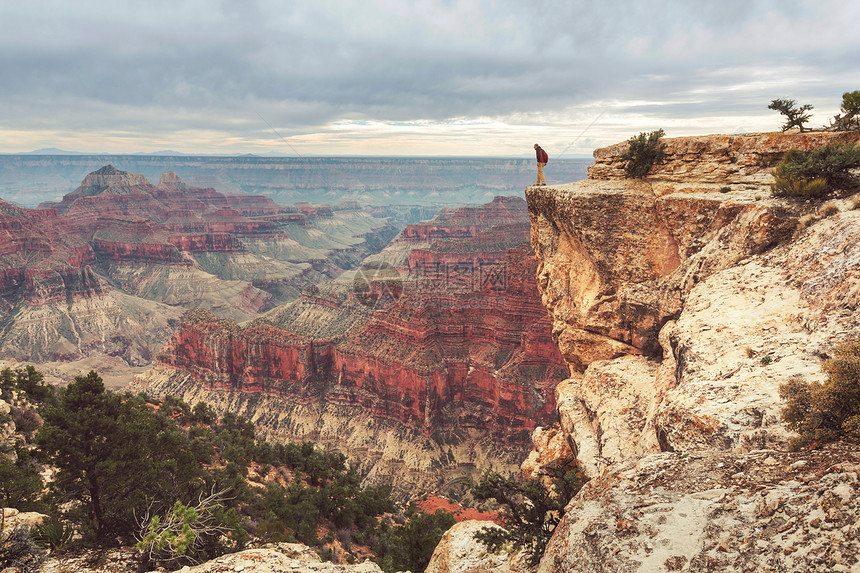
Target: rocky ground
273	558
766	510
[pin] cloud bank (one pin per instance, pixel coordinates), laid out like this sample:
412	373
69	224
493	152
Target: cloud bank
426	77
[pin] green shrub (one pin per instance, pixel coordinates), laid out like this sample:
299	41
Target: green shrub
184	532
53	534
796	187
643	151
828	411
811	174
410	546
20	483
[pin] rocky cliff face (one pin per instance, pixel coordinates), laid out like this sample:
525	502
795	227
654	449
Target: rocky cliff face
421	368
111	268
665	295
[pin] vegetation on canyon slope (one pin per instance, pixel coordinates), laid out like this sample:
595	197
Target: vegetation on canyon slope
530	512
186	486
812	174
829	411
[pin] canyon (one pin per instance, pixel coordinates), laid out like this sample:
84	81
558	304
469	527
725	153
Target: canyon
427	365
381	181
680	303
104	275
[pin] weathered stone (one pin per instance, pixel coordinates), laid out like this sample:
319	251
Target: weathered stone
14	518
681	302
459	552
551	450
702	285
668	511
710	162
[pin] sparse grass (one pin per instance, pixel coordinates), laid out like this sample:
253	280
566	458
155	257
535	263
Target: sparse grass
765	360
749	351
829	209
807	221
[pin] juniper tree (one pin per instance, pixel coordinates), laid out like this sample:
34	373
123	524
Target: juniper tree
795	116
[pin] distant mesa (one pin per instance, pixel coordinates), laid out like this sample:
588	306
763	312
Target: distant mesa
107	178
382	181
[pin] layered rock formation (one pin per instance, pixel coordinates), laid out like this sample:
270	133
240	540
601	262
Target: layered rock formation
431	362
111	268
680	303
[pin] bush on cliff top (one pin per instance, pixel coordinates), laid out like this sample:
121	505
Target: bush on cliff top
644	150
828	411
811	174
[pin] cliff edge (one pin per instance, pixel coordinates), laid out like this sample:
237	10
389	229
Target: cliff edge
680	303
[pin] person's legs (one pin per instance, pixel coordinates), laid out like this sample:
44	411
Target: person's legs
540	178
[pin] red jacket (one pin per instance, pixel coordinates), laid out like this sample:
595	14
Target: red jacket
542	157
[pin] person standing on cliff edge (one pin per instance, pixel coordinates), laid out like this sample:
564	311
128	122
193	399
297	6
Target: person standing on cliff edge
542	160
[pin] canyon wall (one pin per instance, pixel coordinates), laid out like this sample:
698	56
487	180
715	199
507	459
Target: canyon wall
109	270
431	362
680	303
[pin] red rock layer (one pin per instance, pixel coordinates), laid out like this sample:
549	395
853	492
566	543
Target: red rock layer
467	345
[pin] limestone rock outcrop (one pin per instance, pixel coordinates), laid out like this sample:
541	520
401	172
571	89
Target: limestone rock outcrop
680	303
270	558
284	558
664	303
429	364
716	511
458	552
110	269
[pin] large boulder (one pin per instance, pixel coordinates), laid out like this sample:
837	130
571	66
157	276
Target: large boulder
459	552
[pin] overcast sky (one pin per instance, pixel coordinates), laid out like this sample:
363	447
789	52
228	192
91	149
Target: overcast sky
435	77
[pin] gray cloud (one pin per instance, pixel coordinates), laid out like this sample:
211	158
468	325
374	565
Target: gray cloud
163	68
